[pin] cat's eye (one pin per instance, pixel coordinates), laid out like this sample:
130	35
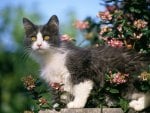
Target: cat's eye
46	38
33	38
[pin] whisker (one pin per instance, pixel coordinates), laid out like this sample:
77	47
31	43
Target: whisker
26	53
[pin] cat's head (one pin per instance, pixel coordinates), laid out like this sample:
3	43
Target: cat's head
41	38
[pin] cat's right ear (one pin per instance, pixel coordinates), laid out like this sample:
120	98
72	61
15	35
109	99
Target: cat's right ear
53	22
28	25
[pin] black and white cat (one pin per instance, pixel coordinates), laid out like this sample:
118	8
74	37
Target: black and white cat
79	69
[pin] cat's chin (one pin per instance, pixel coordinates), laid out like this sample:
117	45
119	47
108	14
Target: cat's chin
41	51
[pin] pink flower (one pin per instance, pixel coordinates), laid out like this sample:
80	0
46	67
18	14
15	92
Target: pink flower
81	25
66	37
105	15
42	101
105	29
115	43
139	24
118	78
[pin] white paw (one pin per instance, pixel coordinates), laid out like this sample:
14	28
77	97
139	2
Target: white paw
74	104
137	105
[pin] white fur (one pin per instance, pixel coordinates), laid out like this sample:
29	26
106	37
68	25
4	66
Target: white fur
40	41
52	61
54	69
142	101
81	93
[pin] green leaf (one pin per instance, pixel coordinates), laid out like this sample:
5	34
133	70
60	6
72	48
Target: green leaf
137	11
132	9
107	88
114	91
124	104
146	17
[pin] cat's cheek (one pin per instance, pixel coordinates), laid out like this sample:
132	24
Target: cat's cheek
45	45
34	46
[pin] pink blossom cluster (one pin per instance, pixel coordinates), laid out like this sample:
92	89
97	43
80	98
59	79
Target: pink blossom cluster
115	43
42	101
81	24
56	86
65	37
106	16
118	78
140	23
105	29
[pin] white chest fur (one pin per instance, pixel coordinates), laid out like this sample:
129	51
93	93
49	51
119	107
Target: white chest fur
54	69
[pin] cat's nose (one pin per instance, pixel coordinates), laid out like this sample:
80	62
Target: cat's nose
39	45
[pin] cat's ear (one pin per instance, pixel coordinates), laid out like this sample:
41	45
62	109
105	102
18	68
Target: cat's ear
53	22
28	25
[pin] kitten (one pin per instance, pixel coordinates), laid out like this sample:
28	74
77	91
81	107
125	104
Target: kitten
79	69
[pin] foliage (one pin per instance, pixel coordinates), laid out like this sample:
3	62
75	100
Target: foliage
40	93
13	63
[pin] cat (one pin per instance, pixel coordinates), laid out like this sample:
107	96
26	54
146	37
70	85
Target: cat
79	69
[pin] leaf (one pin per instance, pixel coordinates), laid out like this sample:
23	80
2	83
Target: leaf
132	9
145	87
146	17
137	11
124	104
114	91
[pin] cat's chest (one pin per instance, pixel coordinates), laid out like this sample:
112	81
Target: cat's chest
55	69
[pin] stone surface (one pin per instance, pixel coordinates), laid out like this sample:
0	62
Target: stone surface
86	110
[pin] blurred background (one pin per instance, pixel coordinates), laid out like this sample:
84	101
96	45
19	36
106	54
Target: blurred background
14	63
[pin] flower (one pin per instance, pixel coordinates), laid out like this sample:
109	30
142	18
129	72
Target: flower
81	24
57	86
42	101
29	82
115	43
105	29
119	28
118	78
137	36
105	15
144	76
118	14
139	24
66	37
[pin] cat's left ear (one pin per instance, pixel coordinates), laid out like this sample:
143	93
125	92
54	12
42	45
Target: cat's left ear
53	21
28	25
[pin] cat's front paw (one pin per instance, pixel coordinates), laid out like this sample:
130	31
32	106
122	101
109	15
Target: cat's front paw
137	105
74	104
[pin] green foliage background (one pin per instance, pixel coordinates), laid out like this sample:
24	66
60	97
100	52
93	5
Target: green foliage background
13	63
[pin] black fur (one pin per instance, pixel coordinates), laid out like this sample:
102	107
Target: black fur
93	63
50	29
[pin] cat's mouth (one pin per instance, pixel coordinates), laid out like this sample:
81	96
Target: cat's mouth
41	50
